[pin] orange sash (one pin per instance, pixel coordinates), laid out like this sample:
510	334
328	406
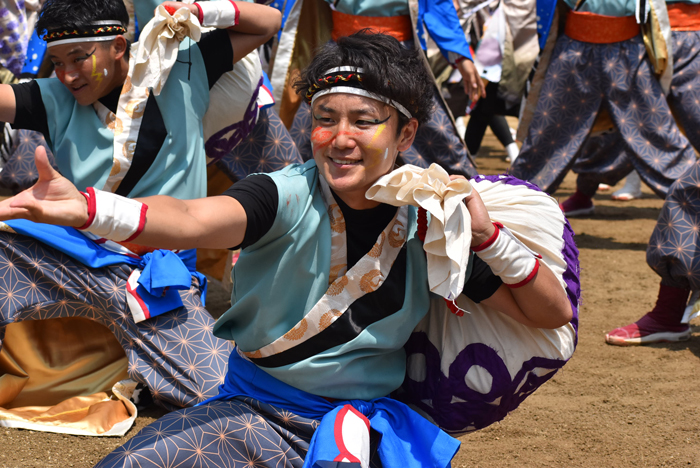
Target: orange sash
684	16
399	27
599	29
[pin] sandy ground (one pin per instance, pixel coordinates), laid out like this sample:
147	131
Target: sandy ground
608	407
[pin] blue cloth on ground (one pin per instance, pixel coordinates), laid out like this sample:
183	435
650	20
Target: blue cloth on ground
163	272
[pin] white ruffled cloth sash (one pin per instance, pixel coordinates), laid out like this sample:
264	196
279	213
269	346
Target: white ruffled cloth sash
156	52
448	239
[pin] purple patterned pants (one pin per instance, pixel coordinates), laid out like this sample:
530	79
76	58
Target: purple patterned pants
581	77
268	148
174	354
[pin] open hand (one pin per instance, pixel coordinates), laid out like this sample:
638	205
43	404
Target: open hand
52	200
473	84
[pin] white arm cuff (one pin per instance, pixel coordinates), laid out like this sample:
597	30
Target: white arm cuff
509	258
218	14
114	217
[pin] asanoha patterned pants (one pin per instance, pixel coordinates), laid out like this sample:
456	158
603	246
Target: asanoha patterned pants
581	77
222	434
174	354
604	159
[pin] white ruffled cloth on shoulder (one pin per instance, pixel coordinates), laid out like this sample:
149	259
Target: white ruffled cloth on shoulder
156	51
449	236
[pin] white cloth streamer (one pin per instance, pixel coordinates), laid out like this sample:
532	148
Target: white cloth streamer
449	236
156	52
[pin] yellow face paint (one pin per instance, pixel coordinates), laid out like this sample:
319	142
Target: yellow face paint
95	74
377	152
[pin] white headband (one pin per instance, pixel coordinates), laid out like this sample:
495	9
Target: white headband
357	91
106	37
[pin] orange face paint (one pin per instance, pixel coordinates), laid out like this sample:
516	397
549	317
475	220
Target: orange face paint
61	75
320	138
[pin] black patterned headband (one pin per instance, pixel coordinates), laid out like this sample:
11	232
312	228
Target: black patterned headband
347	80
94	32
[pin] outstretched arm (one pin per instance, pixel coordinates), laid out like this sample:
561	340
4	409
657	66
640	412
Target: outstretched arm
215	222
541	302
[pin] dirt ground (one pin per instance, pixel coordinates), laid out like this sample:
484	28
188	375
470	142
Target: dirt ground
608	407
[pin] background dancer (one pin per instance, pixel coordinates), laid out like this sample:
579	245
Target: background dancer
605	158
159	149
671	252
601	60
305	29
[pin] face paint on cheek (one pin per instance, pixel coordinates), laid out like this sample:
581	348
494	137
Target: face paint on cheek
374	151
320	138
61	75
95	73
104	70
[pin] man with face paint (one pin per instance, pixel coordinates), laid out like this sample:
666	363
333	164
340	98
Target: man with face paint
331	283
306	25
107	132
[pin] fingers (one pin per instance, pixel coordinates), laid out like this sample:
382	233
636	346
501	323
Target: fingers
43	167
15	208
482	88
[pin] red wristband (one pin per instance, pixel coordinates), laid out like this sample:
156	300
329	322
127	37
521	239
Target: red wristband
90	197
529	278
488	242
200	15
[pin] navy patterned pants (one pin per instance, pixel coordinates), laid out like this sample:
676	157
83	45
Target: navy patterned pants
174	354
581	77
604	159
436	141
672	249
222	434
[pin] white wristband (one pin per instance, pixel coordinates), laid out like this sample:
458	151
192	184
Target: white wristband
112	216
218	14
508	258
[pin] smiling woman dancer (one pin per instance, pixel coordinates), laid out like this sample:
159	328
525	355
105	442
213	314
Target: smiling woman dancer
331	284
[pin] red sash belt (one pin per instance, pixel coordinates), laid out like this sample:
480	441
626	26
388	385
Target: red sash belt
684	16
599	29
399	27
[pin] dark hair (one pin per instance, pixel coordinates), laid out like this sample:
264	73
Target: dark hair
389	69
75	14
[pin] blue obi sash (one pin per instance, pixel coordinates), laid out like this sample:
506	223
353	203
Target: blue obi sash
408	439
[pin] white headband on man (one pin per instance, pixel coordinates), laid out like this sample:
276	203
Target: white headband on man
356	90
96	31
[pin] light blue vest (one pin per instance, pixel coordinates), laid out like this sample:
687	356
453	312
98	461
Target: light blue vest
280	278
83	146
606	7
